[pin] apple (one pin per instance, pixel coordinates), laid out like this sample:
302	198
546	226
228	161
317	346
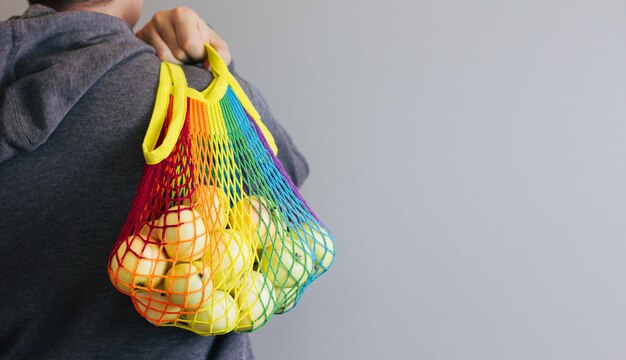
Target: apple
256	301
183	233
286	263
150	229
218	315
257	219
153	306
230	259
142	264
212	202
322	244
285	299
188	284
145	231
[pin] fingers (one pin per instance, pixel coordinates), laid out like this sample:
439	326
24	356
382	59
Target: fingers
190	35
158	33
166	29
191	38
179	35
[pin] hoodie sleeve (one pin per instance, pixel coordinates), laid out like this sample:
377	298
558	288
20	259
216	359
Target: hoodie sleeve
290	157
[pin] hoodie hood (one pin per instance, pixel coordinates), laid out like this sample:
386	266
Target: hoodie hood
51	59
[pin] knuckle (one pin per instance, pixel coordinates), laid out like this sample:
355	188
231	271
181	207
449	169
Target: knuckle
180	12
158	18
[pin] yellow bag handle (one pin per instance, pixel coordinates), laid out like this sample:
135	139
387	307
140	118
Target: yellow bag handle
219	68
172	82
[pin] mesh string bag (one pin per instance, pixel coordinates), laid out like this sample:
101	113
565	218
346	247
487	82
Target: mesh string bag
218	238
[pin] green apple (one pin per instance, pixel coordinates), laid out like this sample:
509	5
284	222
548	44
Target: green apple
286	263
183	233
216	316
138	262
257	219
285	299
322	244
256	301
188	284
230	259
153	306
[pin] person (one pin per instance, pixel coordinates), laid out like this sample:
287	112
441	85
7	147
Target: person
77	90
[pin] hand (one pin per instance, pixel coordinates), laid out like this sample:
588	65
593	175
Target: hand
179	35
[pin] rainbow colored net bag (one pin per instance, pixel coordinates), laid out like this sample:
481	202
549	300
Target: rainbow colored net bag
218	238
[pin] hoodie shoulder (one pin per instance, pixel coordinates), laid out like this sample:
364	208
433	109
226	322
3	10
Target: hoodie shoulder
7	53
52	60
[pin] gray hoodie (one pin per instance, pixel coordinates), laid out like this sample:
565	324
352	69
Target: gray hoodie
76	94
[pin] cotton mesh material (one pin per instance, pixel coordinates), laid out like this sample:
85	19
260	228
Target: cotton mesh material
218	238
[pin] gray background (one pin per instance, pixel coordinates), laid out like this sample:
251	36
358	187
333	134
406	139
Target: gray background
469	157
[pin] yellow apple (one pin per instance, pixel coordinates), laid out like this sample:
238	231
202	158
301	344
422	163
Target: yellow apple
230	259
188	284
218	315
153	306
212	203
140	264
322	244
257	219
286	263
183	233
150	229
145	230
285	299
256	301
